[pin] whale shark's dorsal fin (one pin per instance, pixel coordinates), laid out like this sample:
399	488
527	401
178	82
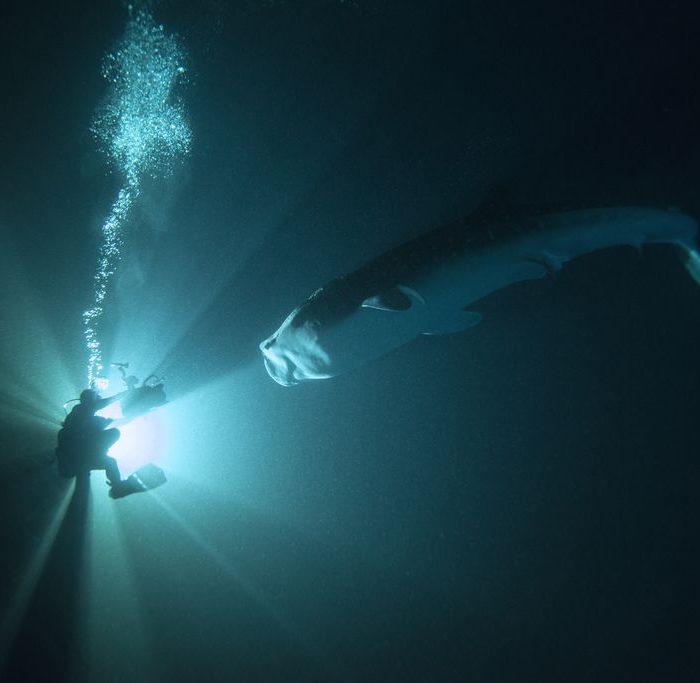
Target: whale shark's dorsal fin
398	298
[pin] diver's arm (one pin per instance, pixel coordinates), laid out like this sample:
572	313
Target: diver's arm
104	402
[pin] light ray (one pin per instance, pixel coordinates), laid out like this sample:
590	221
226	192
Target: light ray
112	597
249	588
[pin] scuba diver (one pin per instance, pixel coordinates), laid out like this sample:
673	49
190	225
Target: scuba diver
139	400
84	441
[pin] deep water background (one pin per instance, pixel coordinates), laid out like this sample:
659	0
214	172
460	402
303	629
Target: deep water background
518	503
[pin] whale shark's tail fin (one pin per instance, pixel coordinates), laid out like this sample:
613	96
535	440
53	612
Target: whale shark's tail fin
691	260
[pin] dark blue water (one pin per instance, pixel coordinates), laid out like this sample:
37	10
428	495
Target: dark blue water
517	503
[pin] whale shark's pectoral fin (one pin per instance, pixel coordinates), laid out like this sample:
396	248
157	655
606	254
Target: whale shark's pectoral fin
398	298
692	262
451	322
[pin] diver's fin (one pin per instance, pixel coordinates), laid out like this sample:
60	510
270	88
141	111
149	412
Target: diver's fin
149	477
452	322
146	478
398	298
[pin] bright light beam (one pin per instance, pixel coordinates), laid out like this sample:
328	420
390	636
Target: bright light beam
109	565
246	585
142	439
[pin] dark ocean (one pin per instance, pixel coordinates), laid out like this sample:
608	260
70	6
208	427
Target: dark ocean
515	503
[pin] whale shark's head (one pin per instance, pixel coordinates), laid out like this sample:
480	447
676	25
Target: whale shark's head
330	333
293	353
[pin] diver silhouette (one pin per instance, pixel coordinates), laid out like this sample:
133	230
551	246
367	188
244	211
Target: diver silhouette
84	440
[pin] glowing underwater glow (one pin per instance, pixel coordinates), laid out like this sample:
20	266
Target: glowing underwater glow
141	441
143	129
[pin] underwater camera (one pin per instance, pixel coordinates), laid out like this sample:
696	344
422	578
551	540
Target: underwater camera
141	400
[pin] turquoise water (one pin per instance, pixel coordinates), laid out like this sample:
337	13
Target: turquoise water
515	503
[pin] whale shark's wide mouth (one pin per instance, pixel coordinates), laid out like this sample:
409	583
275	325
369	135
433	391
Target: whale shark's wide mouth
280	368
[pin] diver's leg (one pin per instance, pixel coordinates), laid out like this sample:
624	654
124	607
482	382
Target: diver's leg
114	476
107	439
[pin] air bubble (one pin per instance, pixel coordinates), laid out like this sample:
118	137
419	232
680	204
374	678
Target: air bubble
144	130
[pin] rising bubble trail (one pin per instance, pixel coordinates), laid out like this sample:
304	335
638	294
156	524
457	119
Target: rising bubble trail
141	125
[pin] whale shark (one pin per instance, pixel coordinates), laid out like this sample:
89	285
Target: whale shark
427	285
